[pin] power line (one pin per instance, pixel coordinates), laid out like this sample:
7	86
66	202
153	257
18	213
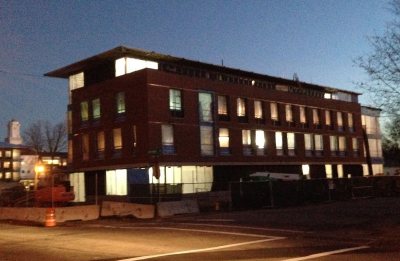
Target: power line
22	74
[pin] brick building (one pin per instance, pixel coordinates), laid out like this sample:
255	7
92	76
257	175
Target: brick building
202	124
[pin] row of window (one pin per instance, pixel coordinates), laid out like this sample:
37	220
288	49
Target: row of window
254	142
9	175
306	116
10	153
9	164
96	107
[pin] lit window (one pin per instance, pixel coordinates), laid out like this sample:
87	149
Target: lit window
328	171
246	141
84	111
308	144
260	139
205	107
96	111
340	170
206	140
223	138
76	81
350	121
16	154
318	142
327	95
100	143
222	105
7	154
167	136
291	143
258	110
354	142
279	143
371	124
333	144
342	144
305	169
127	65
6	164
85	146
117	139
274	111
246	137
289	113
303	117
315	114
175	101
116	182
328	118
375	147
241	107
340	120
120	102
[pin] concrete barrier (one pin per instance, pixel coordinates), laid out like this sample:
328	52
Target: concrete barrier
62	214
23	214
110	208
167	209
88	212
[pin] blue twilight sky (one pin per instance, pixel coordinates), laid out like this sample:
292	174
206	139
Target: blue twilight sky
317	39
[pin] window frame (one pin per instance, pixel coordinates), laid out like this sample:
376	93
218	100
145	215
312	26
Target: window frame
120	103
175	102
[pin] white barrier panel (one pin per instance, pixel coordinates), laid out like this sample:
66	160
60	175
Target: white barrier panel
110	208
167	209
88	212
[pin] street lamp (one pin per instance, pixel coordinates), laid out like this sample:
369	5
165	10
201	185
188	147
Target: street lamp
39	168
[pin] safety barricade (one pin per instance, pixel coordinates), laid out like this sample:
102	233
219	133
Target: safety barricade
142	211
167	209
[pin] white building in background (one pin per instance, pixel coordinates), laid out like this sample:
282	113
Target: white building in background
14	133
28	162
373	141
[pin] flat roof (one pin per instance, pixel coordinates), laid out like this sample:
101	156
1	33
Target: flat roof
123	51
6	145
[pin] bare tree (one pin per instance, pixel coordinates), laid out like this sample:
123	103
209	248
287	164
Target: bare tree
33	136
42	136
383	65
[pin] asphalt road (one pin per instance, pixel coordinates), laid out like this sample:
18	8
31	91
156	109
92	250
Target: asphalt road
353	230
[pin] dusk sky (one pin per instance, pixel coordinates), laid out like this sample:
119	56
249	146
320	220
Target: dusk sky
316	39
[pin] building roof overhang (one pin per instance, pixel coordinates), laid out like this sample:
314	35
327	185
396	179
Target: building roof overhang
123	51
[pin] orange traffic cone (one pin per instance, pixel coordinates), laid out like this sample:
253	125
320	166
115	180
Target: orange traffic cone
50	220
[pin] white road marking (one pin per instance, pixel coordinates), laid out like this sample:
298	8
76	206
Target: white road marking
215	220
206	231
326	253
200	250
245	227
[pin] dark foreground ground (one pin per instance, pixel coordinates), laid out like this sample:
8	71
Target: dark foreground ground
363	229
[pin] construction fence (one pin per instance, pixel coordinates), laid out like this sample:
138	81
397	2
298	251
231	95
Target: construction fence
279	193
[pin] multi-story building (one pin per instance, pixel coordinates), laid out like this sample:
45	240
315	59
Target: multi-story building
372	141
10	153
18	162
202	124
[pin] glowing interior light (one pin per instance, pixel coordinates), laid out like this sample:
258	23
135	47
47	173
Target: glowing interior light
260	139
